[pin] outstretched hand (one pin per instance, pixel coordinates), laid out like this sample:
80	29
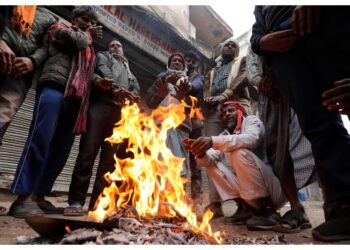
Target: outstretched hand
104	83
199	146
338	98
121	95
161	87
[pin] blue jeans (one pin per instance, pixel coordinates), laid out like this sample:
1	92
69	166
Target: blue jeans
48	144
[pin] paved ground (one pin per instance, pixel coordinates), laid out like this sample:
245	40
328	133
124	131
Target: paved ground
12	230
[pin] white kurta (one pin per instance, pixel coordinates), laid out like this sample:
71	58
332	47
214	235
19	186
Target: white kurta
236	170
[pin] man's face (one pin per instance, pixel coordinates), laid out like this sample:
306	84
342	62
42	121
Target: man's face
229	116
229	50
83	22
191	64
115	47
176	63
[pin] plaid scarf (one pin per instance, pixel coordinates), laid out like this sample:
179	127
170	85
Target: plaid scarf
241	112
23	17
78	85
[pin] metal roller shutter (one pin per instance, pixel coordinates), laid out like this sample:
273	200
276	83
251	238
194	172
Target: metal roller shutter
13	144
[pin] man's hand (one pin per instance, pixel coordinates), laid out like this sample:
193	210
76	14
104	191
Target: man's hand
172	78
280	41
338	98
199	146
304	19
268	87
22	66
121	95
95	31
161	88
7	58
104	83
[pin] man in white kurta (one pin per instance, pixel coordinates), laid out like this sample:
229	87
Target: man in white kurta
233	165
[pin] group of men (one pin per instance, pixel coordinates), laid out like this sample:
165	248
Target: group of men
290	64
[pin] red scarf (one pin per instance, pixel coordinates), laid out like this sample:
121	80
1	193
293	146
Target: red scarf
78	85
241	112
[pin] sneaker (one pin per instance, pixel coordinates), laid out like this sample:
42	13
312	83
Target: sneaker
266	219
49	208
215	207
243	213
22	209
336	227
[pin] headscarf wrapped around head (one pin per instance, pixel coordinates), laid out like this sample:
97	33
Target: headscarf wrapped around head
230	40
241	112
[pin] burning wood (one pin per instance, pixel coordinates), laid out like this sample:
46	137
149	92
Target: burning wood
132	231
150	181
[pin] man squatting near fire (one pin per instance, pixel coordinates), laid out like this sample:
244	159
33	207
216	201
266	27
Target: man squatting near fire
251	183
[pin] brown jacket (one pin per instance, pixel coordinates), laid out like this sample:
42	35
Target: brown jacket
236	84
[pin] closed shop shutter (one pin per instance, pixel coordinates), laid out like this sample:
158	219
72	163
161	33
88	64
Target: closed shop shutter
13	144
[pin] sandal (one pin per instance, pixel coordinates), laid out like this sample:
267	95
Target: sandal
3	210
292	222
73	210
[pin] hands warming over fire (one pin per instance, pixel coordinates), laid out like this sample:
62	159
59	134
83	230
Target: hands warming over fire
161	87
215	99
338	98
104	83
121	95
199	146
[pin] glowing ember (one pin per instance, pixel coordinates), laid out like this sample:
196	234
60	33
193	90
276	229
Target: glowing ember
152	177
67	228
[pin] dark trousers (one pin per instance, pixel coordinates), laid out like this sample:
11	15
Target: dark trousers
304	73
101	119
48	144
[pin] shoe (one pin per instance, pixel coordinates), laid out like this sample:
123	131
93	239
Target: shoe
23	209
49	208
266	219
293	221
336	227
243	213
215	207
73	210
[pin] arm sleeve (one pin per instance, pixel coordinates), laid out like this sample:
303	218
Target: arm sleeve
253	68
70	40
41	53
249	138
197	85
258	31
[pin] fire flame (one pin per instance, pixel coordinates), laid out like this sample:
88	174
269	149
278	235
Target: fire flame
152	178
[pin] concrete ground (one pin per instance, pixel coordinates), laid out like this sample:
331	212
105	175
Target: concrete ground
15	231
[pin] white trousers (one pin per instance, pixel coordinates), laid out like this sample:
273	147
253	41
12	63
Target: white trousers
249	178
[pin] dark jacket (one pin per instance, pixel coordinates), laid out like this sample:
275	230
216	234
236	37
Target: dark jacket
64	45
116	68
36	47
269	19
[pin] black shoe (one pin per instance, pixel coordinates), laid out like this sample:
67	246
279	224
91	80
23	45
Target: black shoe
243	213
215	207
23	209
266	218
49	208
337	225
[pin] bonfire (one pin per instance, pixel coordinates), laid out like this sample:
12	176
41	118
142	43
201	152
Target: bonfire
150	181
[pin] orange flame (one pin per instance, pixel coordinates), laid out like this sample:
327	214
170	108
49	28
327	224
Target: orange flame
152	177
67	228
